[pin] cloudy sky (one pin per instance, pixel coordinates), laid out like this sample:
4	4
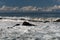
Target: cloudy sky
39	3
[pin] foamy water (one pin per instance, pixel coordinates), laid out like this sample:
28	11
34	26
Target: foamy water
42	31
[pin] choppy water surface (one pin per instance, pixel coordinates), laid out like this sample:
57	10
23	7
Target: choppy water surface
42	31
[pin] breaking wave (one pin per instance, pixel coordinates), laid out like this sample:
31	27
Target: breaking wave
12	28
31	19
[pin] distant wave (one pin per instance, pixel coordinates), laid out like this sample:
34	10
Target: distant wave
29	19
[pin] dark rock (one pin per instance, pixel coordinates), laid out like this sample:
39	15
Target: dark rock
27	24
16	25
1	18
22	19
46	21
7	27
13	26
57	20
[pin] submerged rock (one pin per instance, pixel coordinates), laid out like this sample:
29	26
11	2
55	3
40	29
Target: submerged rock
13	26
9	27
22	19
27	24
16	25
46	21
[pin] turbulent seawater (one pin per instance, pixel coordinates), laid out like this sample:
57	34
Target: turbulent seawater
45	29
42	31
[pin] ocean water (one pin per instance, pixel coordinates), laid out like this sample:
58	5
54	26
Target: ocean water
32	14
42	31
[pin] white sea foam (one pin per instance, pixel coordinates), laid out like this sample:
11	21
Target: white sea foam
31	19
42	31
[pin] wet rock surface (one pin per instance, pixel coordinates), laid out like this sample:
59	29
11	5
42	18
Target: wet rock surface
27	24
57	20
